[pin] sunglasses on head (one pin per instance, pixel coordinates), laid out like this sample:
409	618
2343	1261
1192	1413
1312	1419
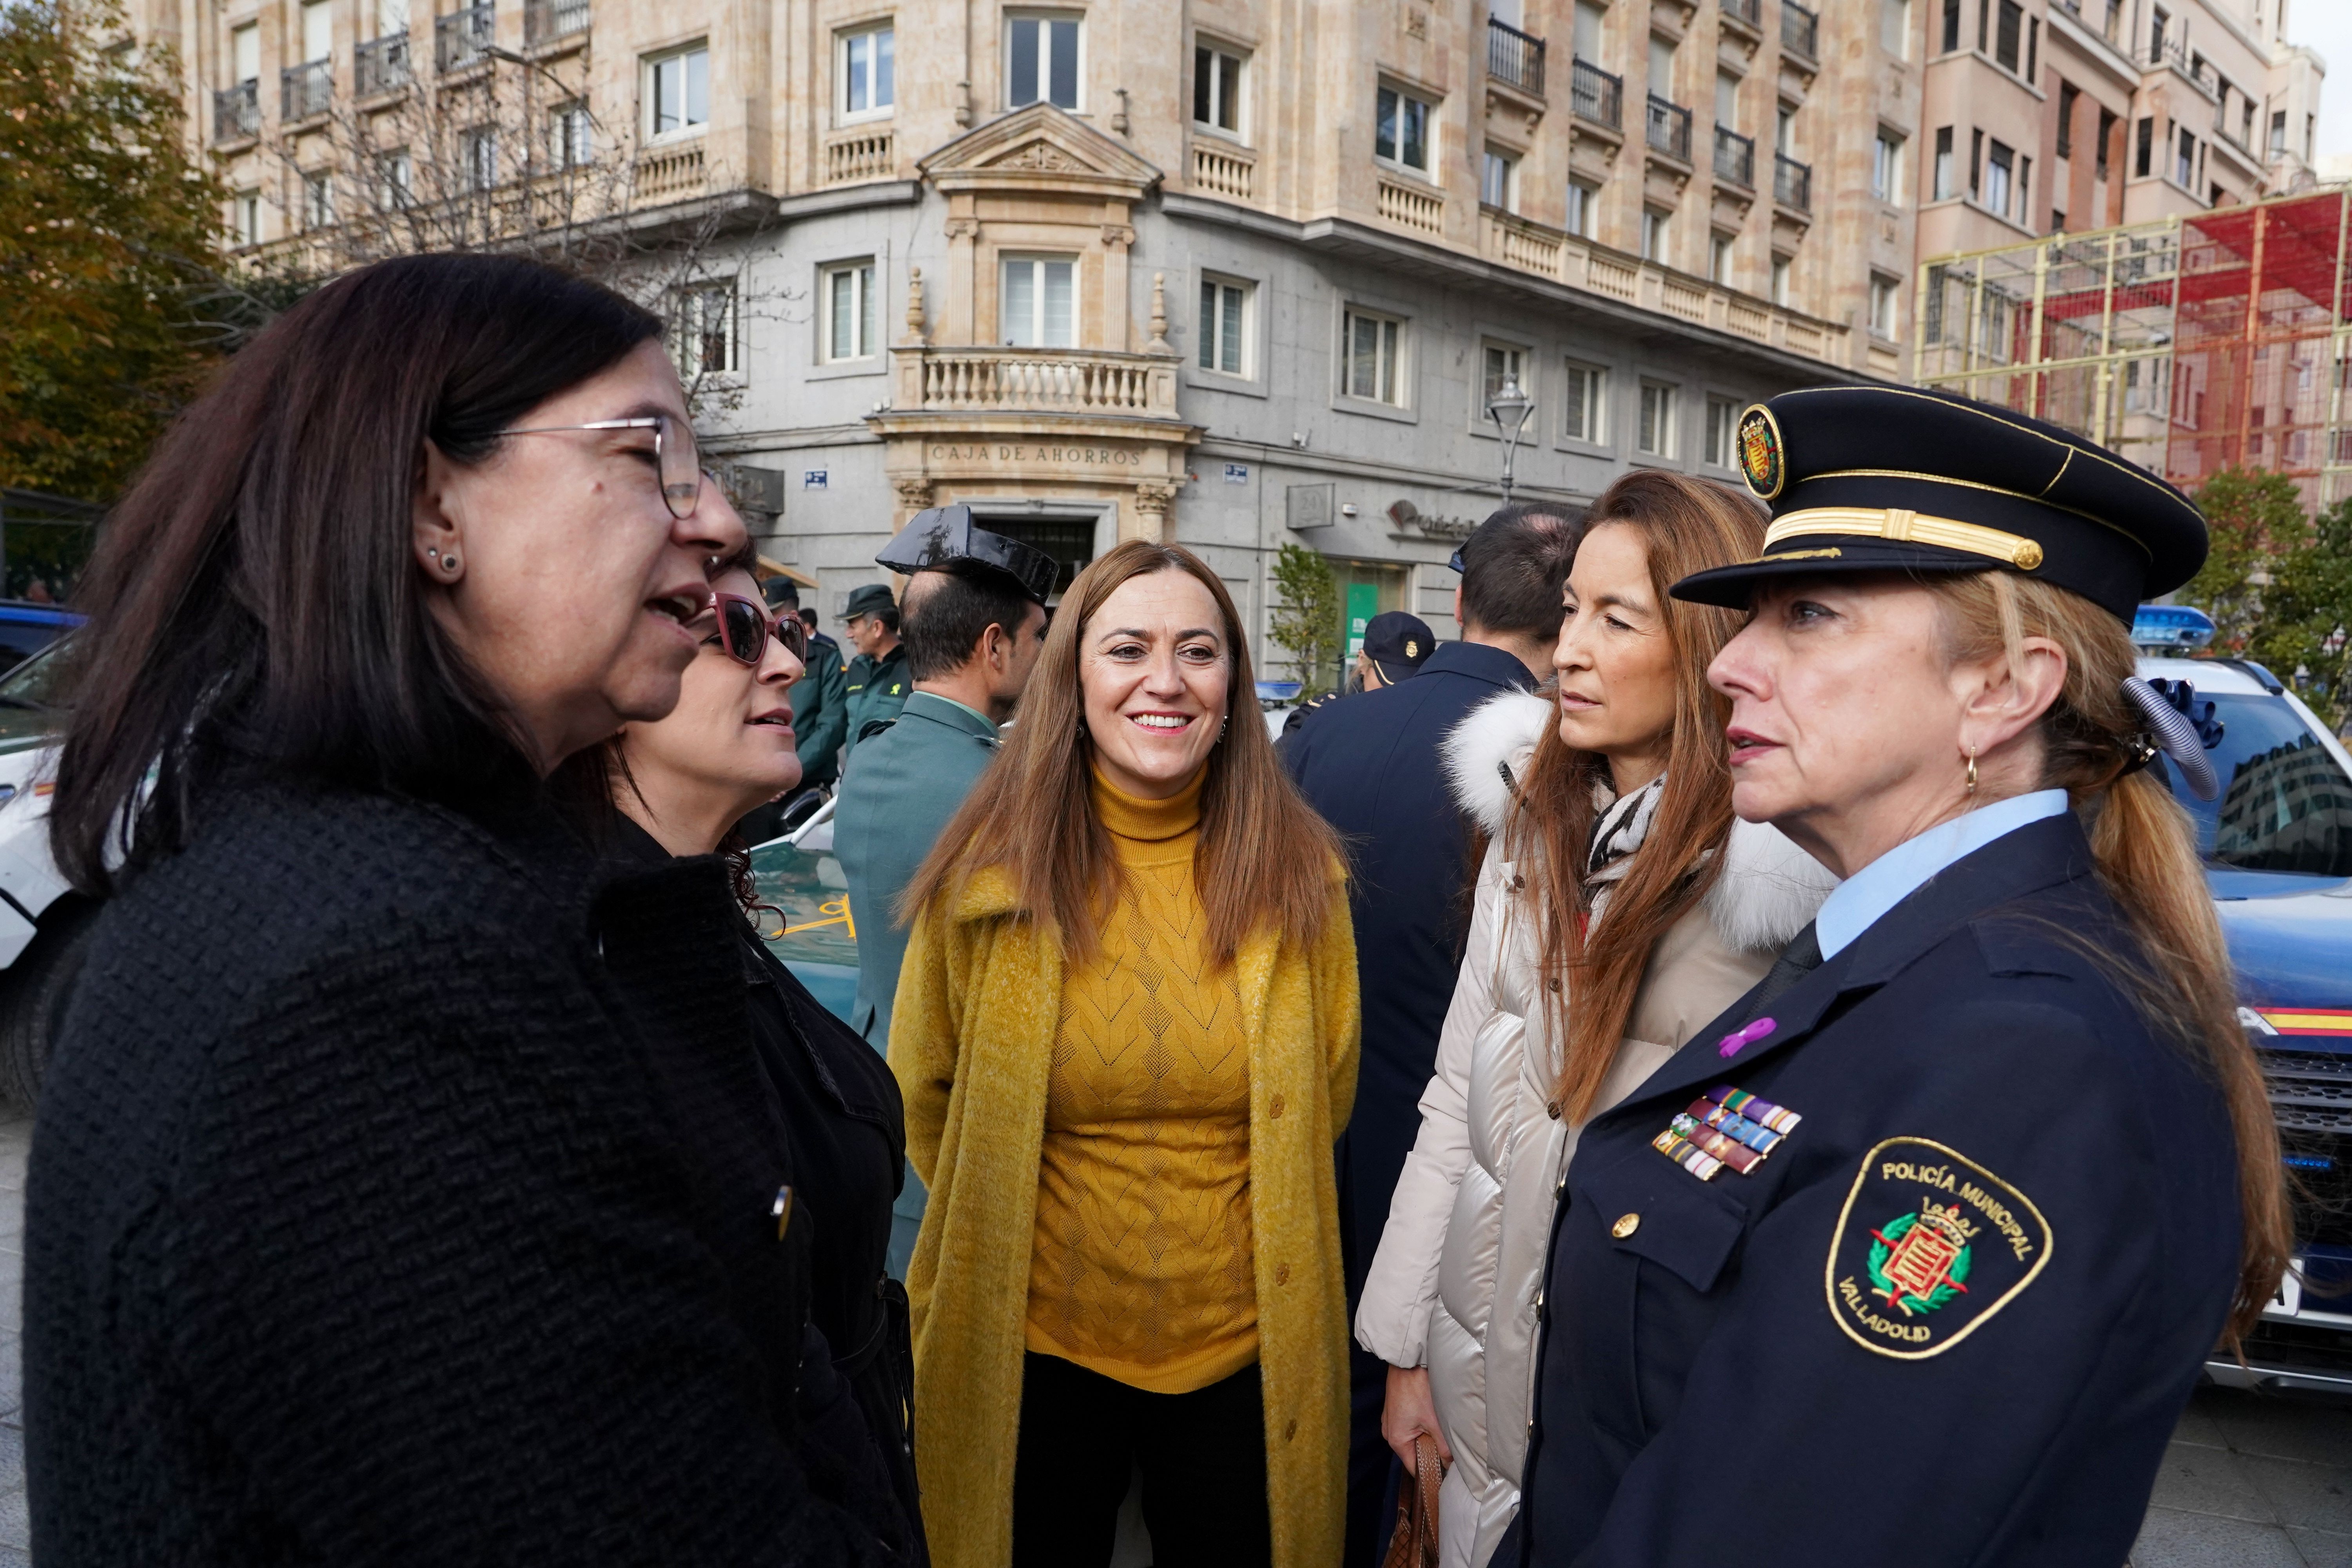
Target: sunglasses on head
745	627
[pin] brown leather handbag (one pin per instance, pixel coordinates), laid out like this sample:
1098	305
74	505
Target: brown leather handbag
1414	1544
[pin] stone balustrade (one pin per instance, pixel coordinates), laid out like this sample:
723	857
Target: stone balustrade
669	173
1036	381
852	156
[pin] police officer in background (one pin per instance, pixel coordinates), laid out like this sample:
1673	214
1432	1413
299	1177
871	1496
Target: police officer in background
1396	646
875	686
820	698
1916	1254
974	619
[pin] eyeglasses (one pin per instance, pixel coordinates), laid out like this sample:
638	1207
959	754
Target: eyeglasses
745	627
675	455
1454	561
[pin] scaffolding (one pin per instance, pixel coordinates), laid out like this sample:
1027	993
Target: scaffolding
2189	344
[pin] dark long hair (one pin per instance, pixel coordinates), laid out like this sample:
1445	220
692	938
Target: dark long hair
252	602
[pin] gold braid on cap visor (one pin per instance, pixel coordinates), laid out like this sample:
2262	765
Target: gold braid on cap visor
1894	523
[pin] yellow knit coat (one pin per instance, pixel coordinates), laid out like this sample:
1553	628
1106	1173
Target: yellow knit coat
971	1038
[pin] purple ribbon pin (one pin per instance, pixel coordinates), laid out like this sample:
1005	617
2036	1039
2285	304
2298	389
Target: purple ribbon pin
1733	1043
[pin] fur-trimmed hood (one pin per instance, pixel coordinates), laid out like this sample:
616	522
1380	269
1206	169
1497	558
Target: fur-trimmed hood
1769	887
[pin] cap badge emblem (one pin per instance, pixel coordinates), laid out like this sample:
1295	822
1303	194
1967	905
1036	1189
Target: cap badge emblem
1411	648
1761	462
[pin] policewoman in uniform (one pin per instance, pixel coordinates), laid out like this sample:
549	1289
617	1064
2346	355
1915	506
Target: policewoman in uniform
1914	1255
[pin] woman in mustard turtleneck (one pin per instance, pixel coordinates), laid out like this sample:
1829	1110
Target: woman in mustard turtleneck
1125	1030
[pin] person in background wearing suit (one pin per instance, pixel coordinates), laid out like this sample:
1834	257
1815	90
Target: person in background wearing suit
1373	767
975	622
1395	647
875	686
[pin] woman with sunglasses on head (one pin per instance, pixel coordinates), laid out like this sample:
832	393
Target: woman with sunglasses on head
396	1196
678	784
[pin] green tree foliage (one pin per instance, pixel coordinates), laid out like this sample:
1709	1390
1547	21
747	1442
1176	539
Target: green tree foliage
110	231
2256	520
1307	621
2304	633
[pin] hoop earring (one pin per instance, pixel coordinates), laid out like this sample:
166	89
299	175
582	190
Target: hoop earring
1972	770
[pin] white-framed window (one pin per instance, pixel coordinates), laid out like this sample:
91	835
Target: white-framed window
1656	436
1722	421
1886	167
318	199
1943	183
1583	207
245	61
571	135
395	179
706	330
1217	97
867	63
1041	60
1501	362
1719	255
852	311
1780	280
480	148
1038	304
1401	124
1226	308
1881	304
2000	167
1372	352
1582	413
245	217
677	91
1894	27
1498	181
1656	226
318	30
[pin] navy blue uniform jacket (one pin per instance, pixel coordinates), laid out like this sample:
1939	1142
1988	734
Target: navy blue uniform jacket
1953	1318
1370	765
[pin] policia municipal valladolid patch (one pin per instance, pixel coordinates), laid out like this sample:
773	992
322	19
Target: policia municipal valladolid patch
1930	1244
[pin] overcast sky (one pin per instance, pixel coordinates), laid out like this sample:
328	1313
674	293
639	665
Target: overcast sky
2326	25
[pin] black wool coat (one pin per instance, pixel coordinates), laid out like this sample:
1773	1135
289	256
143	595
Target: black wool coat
1953	1316
403	1192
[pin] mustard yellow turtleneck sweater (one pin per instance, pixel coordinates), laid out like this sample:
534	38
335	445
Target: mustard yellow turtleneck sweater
1140	1268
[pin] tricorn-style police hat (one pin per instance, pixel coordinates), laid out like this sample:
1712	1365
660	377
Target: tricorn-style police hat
1882	478
944	536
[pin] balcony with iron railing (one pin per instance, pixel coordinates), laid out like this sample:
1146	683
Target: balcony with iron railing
1734	157
463	37
306	90
1514	59
1800	30
1596	96
1667	129
381	65
1792	184
547	21
237	111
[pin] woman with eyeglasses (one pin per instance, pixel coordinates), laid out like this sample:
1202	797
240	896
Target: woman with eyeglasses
678	784
400	1194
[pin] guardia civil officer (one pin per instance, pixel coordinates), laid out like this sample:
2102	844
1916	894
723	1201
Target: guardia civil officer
874	686
1914	1255
973	619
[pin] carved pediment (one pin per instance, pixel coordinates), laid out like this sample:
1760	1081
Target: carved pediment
1041	155
1041	147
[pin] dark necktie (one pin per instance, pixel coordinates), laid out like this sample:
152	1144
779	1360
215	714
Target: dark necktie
1799	958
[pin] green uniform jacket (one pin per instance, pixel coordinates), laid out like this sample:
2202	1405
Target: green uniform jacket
897	792
821	712
877	688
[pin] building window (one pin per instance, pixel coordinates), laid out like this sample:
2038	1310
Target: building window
706	330
1719	256
2033	48
571	136
1951	39
245	64
395	180
1498	184
245	217
2067	94
868	65
1656	223
318	199
1943	186
1041	61
1373	346
1781	280
318	30
678	91
1580	413
1886	167
1217	89
1583	202
1881	304
2184	163
1503	363
480	148
2278	116
2145	140
1400	130
1657	435
1722	420
2008	35
2107	138
1894	27
1039	302
1224	326
2000	165
851	310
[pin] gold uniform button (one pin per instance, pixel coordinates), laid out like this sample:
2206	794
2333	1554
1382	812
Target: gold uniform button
1626	1226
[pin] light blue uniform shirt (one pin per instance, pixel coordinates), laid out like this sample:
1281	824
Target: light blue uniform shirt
1858	902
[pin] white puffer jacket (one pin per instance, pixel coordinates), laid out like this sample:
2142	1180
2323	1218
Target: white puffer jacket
1462	1258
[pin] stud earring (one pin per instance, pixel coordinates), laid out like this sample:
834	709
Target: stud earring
432	552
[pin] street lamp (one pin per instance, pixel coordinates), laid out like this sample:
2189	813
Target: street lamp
1509	408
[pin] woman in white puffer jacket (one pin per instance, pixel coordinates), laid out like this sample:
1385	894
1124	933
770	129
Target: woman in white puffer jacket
1627	752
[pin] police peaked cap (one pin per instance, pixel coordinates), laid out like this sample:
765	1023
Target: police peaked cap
1882	478
943	536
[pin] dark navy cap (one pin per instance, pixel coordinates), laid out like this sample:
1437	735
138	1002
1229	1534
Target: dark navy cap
781	591
945	536
1882	478
1399	644
869	600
